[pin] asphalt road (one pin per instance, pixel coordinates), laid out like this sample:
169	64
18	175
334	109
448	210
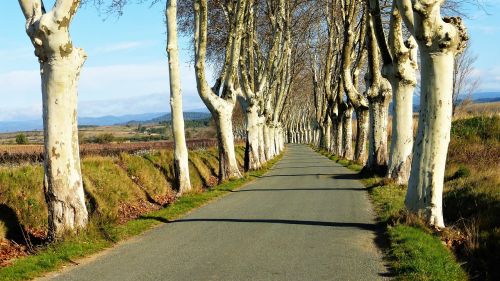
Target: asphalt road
307	219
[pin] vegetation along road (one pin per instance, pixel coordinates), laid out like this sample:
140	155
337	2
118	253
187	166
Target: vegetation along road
307	219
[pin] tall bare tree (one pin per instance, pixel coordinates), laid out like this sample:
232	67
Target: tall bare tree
60	65
465	83
221	106
439	40
181	166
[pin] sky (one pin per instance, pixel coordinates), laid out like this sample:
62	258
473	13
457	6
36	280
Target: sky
126	71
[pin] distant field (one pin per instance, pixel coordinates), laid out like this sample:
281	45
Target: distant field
155	131
474	109
34	153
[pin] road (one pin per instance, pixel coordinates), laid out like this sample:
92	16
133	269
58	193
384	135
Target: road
307	219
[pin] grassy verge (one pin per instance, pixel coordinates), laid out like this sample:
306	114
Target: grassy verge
98	237
412	250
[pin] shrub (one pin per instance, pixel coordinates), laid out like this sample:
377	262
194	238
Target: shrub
482	127
21	139
462	172
104	138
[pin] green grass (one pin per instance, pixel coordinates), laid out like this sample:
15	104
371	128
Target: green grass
22	187
108	186
98	237
413	251
418	255
146	175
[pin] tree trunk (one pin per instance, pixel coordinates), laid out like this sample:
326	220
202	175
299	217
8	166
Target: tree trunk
60	65
228	166
363	124
338	135
252	157
402	132
439	42
347	152
379	111
181	166
262	152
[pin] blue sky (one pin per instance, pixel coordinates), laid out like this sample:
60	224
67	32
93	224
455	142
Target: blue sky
126	71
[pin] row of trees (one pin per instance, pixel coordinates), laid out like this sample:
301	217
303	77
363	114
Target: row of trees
362	40
296	67
255	56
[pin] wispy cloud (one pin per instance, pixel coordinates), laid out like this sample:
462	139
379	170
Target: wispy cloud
103	90
122	46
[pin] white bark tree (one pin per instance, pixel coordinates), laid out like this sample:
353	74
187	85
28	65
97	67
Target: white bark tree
399	58
350	78
379	94
439	40
181	166
60	64
221	106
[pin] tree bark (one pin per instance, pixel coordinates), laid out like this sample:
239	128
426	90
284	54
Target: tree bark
60	65
347	152
252	150
181	166
363	126
439	40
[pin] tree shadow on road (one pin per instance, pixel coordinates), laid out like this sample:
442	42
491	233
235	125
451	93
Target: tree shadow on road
364	226
298	189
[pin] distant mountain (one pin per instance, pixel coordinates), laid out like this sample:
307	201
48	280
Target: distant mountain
36	125
114	120
486	100
168	117
483	97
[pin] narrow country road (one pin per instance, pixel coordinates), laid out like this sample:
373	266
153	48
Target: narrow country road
307	219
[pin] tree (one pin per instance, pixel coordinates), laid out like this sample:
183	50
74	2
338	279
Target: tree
464	82
439	40
221	107
399	58
60	64
181	166
349	79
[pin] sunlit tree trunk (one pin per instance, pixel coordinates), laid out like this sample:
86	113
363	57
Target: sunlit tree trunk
347	151
403	80
181	166
60	65
439	40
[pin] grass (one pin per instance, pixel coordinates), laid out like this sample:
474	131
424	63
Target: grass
144	173
412	250
22	187
98	236
417	255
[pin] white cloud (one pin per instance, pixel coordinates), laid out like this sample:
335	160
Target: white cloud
490	79
122	46
103	90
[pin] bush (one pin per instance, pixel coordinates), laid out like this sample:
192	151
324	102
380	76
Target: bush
483	127
104	138
462	172
21	139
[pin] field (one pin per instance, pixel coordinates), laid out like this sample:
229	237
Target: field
33	153
118	188
195	129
